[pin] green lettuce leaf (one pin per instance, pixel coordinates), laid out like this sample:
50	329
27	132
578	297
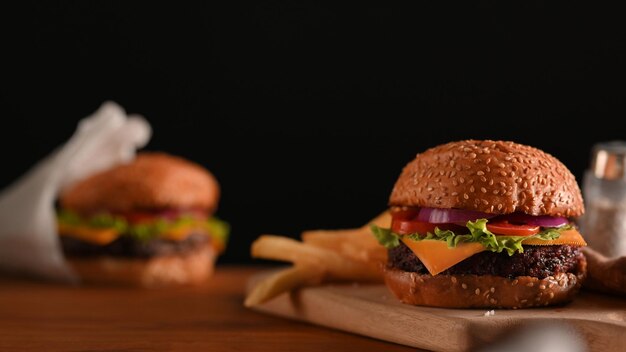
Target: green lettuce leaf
385	237
219	229
478	233
145	231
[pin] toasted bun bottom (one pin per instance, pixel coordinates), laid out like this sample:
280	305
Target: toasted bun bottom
182	269
483	291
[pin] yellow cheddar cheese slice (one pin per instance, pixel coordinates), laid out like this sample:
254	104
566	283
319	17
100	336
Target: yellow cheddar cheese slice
89	234
103	236
571	237
437	257
180	233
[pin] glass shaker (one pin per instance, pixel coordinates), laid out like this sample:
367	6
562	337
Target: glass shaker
604	192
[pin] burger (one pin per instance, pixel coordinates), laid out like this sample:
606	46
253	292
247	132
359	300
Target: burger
147	223
484	224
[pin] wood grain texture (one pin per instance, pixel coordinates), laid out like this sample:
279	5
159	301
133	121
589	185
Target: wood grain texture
36	316
372	311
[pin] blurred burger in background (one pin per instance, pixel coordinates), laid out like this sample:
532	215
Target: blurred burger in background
147	223
484	224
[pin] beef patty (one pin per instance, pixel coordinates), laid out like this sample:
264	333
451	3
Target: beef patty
537	261
125	246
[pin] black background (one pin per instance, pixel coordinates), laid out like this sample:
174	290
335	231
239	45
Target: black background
307	112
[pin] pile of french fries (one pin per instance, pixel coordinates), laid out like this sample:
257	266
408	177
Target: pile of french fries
322	256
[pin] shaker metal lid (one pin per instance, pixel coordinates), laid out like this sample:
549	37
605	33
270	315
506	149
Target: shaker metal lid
609	160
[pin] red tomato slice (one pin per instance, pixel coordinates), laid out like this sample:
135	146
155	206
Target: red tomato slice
142	217
505	228
407	227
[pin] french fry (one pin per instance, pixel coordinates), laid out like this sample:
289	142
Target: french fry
357	244
332	263
382	220
344	255
283	281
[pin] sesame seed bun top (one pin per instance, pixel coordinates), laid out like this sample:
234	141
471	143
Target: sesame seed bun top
490	176
152	181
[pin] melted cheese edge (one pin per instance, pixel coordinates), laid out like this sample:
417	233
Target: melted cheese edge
437	257
105	236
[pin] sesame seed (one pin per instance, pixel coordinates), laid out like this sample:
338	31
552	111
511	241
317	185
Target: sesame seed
500	207
530	284
480	173
454	182
461	179
495	191
514	281
477	292
501	165
483	178
542	287
503	173
493	289
483	189
453	279
464	286
465	196
502	184
472	155
472	189
551	285
429	188
524	301
455	193
551	295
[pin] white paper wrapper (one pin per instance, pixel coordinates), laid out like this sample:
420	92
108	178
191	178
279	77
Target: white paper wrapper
29	243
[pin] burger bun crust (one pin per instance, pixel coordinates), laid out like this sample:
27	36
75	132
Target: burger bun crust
483	291
190	268
494	177
151	181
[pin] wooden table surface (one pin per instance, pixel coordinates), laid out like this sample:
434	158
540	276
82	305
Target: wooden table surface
37	316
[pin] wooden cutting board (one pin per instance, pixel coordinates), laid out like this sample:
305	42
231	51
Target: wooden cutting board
372	311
